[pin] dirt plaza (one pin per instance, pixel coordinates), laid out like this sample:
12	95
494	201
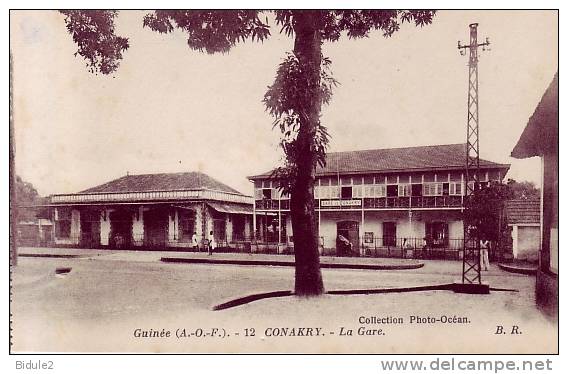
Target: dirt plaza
108	295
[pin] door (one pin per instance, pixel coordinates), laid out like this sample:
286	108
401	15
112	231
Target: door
120	229
90	229
389	234
347	238
156	228
437	234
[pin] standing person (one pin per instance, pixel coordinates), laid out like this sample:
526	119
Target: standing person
210	243
194	241
484	249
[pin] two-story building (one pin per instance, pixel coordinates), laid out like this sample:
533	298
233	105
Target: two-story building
152	211
379	200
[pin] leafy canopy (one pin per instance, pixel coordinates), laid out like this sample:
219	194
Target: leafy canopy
219	30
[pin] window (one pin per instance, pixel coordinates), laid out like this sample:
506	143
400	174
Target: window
63	223
63	228
317	192
380	190
403	190
334	192
392	190
267	193
432	189
445	189
416	190
369	238
346	192
456	188
186	224
358	191
275	194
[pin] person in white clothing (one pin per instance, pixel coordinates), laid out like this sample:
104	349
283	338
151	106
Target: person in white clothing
210	243
484	254
194	241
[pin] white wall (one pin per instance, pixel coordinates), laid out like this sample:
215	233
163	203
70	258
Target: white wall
455	229
526	242
374	223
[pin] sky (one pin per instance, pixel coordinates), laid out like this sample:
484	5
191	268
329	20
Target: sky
172	109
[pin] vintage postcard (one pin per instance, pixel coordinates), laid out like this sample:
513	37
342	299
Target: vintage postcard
289	181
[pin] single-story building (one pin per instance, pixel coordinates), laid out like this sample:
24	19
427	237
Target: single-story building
523	217
152	211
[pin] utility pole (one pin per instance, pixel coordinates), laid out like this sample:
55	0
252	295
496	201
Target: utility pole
471	267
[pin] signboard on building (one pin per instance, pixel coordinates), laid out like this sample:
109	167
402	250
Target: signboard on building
338	203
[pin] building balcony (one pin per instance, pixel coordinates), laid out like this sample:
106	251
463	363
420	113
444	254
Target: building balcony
396	202
413	202
270	204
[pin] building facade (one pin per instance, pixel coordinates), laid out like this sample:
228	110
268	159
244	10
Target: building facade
523	220
540	139
152	211
408	200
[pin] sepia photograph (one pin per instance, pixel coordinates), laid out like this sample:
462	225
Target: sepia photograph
284	181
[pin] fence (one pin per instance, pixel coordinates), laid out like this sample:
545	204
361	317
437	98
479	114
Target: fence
417	248
387	247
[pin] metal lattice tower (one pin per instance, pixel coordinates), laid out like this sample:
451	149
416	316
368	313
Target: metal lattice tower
471	268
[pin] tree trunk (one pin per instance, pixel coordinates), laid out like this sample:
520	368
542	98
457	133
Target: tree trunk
307	49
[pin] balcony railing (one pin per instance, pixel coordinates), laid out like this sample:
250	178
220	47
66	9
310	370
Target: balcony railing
373	203
201	194
269	204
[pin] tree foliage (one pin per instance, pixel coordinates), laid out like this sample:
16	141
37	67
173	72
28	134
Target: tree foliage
302	85
485	209
27	198
94	33
287	100
212	31
523	190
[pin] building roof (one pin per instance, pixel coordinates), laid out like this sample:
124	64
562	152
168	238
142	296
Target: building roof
434	157
540	136
162	182
523	211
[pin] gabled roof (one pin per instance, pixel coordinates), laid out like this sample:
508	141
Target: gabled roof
434	157
162	182
521	211
540	136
